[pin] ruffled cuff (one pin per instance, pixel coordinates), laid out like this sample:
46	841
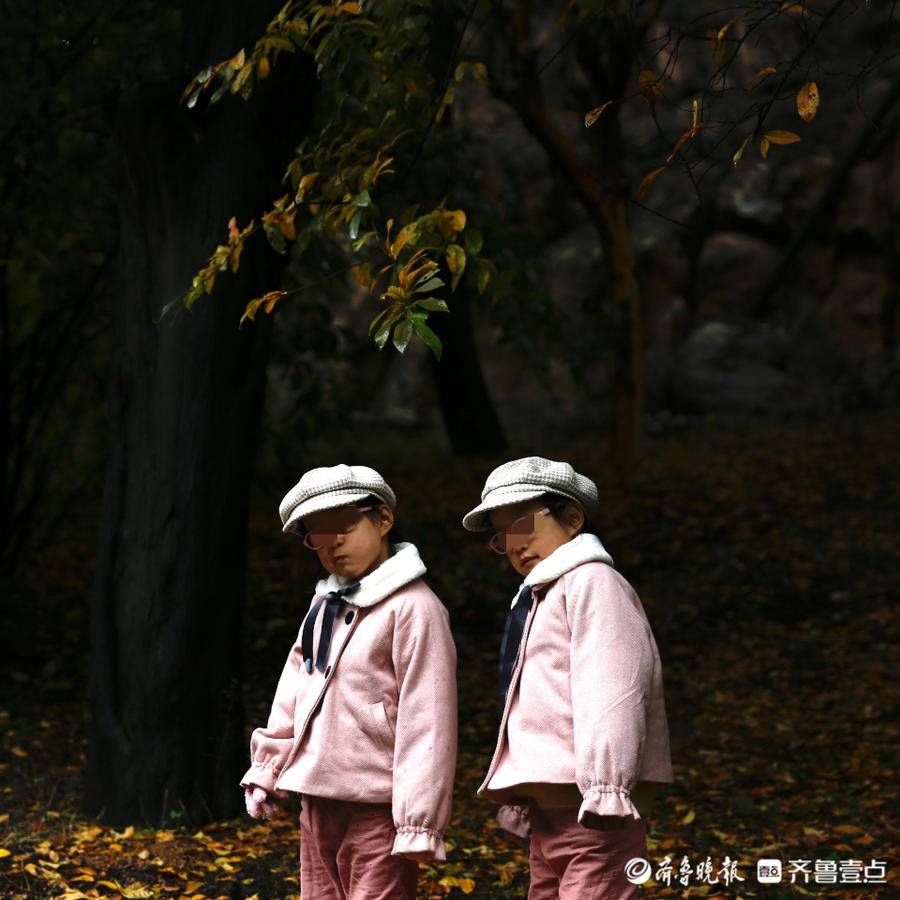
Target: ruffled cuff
263	775
515	819
608	800
418	839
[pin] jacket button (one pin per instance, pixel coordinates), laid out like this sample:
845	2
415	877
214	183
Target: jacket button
327	671
349	617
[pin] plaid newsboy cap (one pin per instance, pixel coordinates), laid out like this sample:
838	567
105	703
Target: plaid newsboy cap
330	486
525	479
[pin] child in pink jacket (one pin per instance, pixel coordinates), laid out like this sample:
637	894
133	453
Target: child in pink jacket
363	724
583	742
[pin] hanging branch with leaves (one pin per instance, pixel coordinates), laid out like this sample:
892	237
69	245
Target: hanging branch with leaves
376	92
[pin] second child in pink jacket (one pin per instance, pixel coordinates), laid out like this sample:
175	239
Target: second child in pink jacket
583	742
363	724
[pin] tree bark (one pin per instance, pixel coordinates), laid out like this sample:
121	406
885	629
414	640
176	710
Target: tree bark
166	732
470	418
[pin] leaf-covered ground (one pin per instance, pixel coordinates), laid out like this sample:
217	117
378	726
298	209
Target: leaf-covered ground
767	559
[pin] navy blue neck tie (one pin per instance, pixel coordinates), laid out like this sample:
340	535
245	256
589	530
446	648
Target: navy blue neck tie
512	637
332	601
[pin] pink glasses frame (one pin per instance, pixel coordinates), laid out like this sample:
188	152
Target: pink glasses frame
333	534
501	535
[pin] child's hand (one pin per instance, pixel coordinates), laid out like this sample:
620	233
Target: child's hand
258	803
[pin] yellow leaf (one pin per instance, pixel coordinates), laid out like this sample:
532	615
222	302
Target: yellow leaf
648	180
591	117
192	886
808	101
409	234
137	891
4	852
113	885
241	78
794	9
456	259
758	77
689	818
237	61
362	275
695	121
740	151
716	47
286	226
262	67
781	137
451	221
18	751
726	26
764	148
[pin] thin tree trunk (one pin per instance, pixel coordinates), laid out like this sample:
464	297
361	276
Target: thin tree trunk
608	210
166	734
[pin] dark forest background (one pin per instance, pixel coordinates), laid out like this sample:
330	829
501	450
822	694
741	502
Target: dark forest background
649	264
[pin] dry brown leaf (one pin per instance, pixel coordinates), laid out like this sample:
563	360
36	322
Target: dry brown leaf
808	101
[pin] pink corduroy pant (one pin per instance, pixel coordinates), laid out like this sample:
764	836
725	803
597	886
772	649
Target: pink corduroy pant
345	853
571	862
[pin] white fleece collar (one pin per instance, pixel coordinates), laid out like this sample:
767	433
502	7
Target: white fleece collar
404	566
581	549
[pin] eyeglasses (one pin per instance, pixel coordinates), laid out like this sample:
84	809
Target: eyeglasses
516	534
339	521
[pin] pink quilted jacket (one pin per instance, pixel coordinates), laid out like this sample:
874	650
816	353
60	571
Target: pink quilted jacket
379	724
585	719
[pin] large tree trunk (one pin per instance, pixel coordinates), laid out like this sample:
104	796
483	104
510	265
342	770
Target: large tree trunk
166	733
470	418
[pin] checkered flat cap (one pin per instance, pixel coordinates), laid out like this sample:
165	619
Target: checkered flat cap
524	479
330	486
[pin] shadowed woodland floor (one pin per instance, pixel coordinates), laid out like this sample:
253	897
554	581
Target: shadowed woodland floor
767	560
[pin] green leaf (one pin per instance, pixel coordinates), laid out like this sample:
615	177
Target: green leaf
456	259
354	224
386	317
473	241
380	337
363	239
482	276
402	334
435	304
431	285
432	341
362	199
